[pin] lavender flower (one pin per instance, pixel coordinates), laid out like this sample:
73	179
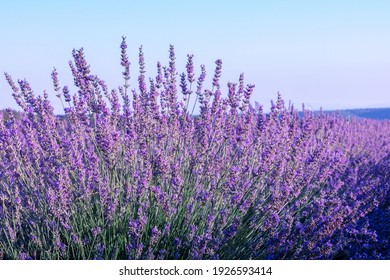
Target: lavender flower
141	178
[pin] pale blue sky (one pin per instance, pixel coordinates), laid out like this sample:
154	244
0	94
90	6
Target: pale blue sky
334	54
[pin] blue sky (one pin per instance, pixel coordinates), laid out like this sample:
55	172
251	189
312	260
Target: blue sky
334	54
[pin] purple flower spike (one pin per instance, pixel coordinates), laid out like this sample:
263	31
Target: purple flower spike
141	178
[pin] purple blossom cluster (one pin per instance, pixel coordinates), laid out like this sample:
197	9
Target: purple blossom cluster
133	174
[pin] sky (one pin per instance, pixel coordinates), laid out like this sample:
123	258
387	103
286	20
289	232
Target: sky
329	54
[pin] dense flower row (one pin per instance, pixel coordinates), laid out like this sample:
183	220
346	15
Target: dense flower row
133	174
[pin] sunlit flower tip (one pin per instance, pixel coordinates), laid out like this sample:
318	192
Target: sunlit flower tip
217	73
190	69
123	44
183	84
54	76
11	82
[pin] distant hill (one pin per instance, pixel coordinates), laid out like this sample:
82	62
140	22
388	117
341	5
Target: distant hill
369	113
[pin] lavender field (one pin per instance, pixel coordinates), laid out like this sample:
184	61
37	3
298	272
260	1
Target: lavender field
134	173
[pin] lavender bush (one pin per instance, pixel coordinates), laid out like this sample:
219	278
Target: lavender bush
133	174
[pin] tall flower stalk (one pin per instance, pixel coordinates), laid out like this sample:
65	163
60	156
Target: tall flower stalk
129	173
